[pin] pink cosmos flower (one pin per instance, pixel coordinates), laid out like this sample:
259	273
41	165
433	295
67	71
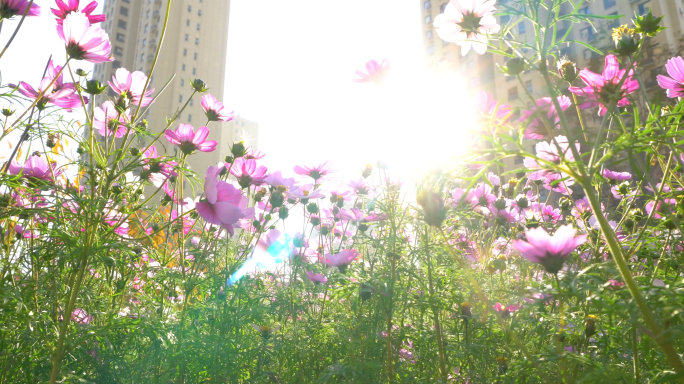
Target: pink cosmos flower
377	72
108	119
253	154
215	110
318	172
36	167
617	176
674	84
188	140
543	212
360	186
9	8
157	171
506	215
130	86
72	6
550	152
316	278
665	207
247	172
84	41
187	221
623	191
558	182
342	259
276	179
487	105
224	203
549	251
504	311
467	23
58	93
536	129
305	192
601	88
80	316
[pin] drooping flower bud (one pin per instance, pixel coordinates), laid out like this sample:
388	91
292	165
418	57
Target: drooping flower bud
7	112
514	66
433	208
567	70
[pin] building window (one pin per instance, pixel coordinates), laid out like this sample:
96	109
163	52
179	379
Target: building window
189	117
521	28
126	1
187	22
186	37
145	27
142	58
121	37
193	71
197	41
189	8
608	3
584	10
180	98
505	19
190	102
144	42
443	7
428	19
183	67
513	93
182	82
199	12
116	64
431	50
118	51
427	4
644	7
185	52
587	34
528	85
147	15
122	24
428	35
615	22
587	54
198	26
195	55
123	11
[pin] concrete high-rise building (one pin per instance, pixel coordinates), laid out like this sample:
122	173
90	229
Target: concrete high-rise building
481	72
194	47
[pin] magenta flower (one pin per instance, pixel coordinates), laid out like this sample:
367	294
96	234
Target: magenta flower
84	41
467	23
616	176
9	8
80	316
316	278
543	212
305	192
536	129
504	311
318	172
601	88
188	140
108	120
276	179
558	182
663	208
36	167
342	259
376	72
623	191
72	6
155	169
187	221
215	110
487	105
58	93
549	251
360	187
505	215
549	152
224	204
478	197
130	86
253	154
247	172
674	84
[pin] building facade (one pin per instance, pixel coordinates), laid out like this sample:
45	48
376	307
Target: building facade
194	47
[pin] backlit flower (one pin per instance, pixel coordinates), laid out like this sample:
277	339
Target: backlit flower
247	172
188	140
58	93
107	120
341	259
72	6
224	204
36	167
9	8
542	114
549	251
318	172
316	278
551	153
376	72
467	23
602	88
83	40
130	86
215	110
505	311
616	176
673	84
488	106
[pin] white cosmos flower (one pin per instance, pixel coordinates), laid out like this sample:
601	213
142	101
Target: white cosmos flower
467	23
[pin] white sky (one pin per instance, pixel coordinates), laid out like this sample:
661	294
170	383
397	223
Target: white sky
289	67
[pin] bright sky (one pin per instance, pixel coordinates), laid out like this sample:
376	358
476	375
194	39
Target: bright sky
290	65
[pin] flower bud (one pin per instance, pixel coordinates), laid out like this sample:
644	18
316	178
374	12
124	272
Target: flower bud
277	199
94	87
590	325
367	171
283	213
433	208
465	309
647	25
565	204
229	159
141	125
625	42
312	208
238	149
365	291
199	85
514	66
567	70
135	151
7	112
81	72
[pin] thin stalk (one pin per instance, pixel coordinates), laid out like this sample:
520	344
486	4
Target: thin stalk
9	42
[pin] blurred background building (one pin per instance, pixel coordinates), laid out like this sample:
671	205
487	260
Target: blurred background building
482	72
194	47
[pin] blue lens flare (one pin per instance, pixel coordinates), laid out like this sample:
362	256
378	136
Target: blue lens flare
276	253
